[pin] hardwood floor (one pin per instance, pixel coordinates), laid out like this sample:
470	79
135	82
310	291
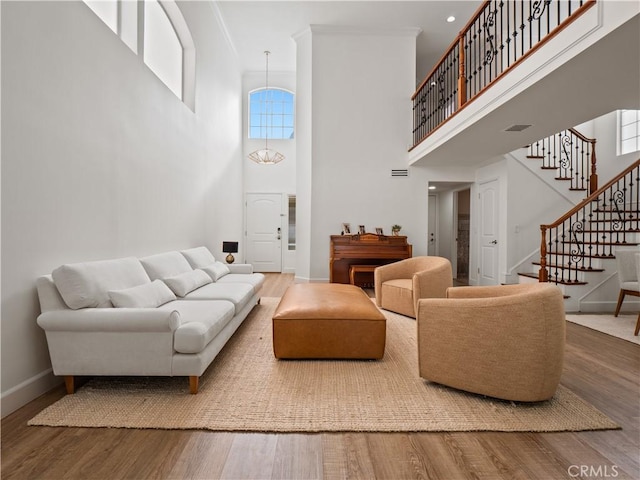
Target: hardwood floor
601	369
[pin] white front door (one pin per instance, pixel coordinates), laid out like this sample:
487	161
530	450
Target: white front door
432	249
489	248
264	231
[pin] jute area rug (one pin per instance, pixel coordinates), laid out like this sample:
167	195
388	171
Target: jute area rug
247	389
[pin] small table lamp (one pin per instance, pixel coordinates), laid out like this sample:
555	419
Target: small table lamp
230	248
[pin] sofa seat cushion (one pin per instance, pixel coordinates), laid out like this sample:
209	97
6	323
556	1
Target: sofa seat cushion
397	296
165	265
254	279
237	293
85	285
200	322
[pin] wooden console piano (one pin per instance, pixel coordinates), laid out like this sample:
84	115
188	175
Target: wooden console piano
352	258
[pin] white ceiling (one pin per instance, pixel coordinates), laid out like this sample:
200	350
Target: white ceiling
256	26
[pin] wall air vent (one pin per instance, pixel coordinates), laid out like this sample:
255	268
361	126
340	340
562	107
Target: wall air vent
517	128
400	173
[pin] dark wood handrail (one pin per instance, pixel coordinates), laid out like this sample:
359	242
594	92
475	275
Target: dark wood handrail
421	132
593	196
581	136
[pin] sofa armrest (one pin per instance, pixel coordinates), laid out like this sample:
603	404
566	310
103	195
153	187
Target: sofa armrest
241	268
110	320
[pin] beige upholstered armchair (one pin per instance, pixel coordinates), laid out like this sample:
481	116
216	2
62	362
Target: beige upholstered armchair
503	341
399	285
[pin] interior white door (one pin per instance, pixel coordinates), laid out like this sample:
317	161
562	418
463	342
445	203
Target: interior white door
432	226
264	231
489	222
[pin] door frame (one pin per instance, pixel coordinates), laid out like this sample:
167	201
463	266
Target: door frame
499	237
432	197
284	212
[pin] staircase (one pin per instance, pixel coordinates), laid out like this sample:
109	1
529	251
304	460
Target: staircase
579	246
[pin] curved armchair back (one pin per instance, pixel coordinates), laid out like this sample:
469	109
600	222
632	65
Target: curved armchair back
503	341
399	285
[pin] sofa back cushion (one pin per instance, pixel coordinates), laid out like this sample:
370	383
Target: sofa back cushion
165	265
216	270
85	285
198	257
147	295
187	282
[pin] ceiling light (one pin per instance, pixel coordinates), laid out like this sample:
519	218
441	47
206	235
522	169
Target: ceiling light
432	187
266	156
451	19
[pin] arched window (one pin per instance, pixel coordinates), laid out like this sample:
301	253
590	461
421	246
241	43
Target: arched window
162	47
160	35
271	114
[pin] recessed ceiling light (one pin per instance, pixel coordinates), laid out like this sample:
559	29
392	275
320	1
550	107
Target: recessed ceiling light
432	187
451	19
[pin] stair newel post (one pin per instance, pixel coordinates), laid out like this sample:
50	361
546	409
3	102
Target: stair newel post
462	79
543	275
593	178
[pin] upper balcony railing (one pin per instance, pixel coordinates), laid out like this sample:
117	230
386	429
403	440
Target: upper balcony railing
500	35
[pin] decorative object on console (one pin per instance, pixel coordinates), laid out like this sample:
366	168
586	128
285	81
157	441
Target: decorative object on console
230	248
361	230
379	231
346	228
266	156
395	229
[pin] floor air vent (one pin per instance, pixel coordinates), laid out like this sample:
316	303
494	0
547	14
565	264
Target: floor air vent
400	173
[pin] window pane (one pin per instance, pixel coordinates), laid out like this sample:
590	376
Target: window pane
162	49
107	10
267	108
629	146
628	116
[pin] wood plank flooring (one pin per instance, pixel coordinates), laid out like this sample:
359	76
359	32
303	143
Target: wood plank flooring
601	369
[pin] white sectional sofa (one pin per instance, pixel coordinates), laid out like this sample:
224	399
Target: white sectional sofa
164	315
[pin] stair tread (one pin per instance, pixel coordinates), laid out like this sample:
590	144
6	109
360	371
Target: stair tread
566	254
580	269
535	156
561	282
608	244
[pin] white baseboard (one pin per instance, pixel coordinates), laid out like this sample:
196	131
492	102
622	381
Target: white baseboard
310	280
628	306
29	390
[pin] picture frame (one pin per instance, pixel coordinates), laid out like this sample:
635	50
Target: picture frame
346	228
379	231
361	229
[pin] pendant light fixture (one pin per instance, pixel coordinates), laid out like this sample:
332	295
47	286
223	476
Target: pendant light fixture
266	156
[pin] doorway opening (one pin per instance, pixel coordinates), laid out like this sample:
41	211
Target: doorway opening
463	221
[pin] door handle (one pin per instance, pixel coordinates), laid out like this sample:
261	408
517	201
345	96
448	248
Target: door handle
495	242
279	233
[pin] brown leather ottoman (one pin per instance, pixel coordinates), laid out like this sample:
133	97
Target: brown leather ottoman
328	320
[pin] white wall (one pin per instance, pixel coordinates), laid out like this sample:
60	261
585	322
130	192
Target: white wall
278	178
101	160
359	83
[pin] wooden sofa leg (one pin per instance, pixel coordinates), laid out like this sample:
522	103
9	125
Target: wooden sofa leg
193	384
69	383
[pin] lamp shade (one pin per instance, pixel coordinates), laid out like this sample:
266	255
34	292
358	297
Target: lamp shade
230	247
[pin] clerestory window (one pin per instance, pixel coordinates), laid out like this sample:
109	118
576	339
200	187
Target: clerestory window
628	131
157	31
271	114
